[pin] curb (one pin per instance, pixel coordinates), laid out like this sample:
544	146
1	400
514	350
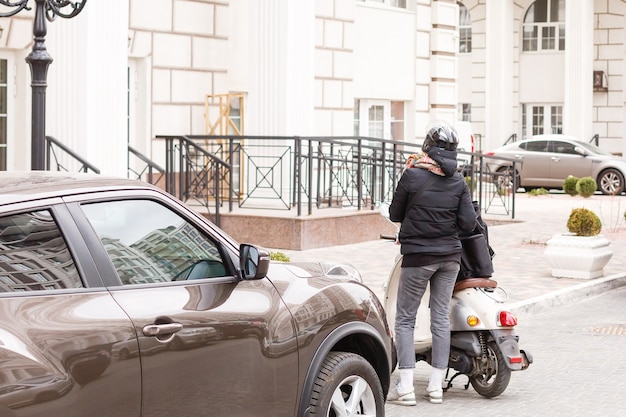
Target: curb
567	296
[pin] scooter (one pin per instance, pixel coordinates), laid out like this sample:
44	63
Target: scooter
483	346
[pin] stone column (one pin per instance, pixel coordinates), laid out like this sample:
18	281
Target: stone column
499	73
578	104
87	85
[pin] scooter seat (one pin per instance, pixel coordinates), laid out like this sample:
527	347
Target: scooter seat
475	283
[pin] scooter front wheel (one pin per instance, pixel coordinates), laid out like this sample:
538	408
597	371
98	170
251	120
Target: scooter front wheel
494	375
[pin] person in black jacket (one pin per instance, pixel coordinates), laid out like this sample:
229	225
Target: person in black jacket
429	236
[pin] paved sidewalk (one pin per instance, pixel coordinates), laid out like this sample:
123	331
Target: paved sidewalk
520	265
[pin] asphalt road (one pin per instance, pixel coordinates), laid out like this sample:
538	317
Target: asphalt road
579	365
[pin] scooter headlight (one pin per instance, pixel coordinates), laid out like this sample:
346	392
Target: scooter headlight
507	319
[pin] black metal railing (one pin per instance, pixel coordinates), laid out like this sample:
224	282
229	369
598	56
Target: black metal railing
62	158
141	167
307	173
194	174
299	173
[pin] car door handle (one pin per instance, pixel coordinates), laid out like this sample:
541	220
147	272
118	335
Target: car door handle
161	329
519	157
555	158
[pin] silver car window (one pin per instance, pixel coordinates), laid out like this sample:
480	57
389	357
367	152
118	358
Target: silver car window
563	147
149	243
535	146
34	255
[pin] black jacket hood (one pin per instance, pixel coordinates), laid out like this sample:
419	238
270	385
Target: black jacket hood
445	159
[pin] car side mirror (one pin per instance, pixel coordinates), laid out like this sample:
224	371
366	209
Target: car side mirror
254	262
580	150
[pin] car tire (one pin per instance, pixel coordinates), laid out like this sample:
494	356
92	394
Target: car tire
346	385
503	179
611	182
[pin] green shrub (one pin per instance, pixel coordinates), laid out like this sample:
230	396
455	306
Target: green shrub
586	186
471	183
538	191
584	222
569	185
279	256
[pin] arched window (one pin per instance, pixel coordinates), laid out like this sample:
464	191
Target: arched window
465	29
544	26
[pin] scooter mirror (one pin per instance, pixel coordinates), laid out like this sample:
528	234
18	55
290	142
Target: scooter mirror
384	209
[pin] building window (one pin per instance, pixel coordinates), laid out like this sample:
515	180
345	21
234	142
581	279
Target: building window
537	122
383	119
397	120
376	120
3	114
556	117
538	119
466	112
544	26
465	30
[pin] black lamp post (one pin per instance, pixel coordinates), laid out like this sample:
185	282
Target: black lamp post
39	59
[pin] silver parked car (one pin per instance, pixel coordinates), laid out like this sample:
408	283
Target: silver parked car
547	160
118	300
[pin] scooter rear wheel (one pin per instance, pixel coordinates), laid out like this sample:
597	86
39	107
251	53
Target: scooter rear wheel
494	374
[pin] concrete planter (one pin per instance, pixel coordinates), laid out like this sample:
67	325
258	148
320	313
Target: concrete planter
572	256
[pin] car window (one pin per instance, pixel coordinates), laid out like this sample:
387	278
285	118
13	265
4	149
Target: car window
34	255
148	243
535	146
563	147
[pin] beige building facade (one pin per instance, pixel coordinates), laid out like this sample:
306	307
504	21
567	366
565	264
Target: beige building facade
124	74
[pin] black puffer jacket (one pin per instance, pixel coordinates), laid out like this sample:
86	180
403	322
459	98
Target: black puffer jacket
442	211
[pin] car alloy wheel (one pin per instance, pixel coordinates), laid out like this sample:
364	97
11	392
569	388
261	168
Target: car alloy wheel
346	385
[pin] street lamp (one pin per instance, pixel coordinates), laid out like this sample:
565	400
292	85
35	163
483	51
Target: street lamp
39	59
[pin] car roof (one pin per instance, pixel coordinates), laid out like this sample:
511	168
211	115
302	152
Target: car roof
16	186
553	136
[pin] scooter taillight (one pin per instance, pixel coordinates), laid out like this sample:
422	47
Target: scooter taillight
507	319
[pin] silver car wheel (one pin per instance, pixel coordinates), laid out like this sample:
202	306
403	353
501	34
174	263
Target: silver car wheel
611	182
352	397
347	386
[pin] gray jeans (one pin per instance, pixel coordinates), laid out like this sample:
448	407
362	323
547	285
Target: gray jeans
413	281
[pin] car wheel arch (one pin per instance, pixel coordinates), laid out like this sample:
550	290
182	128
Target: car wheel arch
355	337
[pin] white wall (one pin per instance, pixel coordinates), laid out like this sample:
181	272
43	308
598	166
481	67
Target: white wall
384	54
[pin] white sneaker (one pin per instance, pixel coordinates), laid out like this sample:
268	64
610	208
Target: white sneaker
397	396
435	396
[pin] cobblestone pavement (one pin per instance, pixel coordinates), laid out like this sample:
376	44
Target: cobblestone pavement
579	363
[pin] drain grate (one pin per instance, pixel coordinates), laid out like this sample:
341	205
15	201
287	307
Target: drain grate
610	330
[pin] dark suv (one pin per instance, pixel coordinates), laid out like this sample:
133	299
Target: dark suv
118	300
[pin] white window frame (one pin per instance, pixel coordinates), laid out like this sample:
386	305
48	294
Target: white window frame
364	117
541	119
465	29
539	29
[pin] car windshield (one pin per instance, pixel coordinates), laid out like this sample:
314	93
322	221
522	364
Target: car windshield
593	148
